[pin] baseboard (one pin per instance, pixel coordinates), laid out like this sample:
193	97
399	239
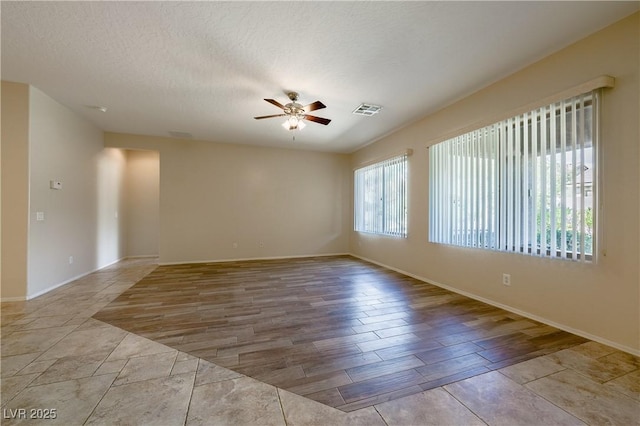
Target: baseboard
55	286
243	259
107	265
47	290
508	308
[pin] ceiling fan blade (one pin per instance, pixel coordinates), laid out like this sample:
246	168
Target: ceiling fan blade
276	103
314	106
315	119
269	116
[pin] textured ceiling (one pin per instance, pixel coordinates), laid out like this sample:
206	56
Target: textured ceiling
204	67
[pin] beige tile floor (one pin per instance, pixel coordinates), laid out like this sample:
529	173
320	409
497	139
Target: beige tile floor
60	362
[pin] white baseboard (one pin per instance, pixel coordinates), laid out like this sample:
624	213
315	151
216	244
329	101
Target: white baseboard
242	259
53	287
141	256
508	308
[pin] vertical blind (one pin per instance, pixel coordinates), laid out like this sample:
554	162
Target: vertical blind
380	197
525	184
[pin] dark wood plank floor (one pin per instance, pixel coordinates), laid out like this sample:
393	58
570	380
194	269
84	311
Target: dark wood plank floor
336	329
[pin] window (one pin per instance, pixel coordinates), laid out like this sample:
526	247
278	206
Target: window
380	192
525	185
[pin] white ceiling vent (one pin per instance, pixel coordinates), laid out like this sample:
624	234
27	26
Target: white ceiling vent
367	109
180	135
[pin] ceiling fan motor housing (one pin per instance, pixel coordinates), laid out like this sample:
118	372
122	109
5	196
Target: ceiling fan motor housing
293	107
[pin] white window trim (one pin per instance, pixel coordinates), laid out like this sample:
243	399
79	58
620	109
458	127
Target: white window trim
389	215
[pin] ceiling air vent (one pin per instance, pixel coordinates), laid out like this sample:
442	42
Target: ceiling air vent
367	109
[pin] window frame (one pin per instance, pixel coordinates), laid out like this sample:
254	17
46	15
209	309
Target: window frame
380	197
509	196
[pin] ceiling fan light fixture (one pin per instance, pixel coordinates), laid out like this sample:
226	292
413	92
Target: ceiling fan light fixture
293	123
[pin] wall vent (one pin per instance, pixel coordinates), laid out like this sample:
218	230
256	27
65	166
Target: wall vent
367	109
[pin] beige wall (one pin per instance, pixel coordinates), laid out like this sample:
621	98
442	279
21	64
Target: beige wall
221	201
143	203
600	300
42	141
82	219
15	189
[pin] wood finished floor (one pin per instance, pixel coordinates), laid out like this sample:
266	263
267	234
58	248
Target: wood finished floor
337	330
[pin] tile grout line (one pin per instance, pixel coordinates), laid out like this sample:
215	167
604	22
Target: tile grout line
538	378
620	394
553	403
193	388
462	403
99	401
40	373
375	407
92	374
619	377
284	416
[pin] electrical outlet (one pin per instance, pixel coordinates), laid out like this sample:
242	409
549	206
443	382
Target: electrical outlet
506	279
70	260
235	245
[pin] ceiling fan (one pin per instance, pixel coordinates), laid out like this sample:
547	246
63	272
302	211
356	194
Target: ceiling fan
296	112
